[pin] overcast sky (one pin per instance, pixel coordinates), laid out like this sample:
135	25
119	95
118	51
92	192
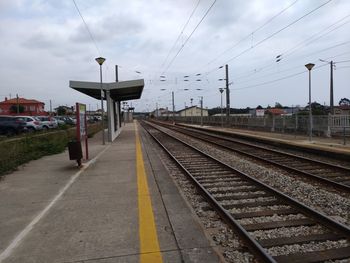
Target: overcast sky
45	43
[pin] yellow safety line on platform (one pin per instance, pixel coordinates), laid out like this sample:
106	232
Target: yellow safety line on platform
149	245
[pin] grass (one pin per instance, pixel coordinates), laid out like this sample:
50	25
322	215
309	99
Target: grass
17	151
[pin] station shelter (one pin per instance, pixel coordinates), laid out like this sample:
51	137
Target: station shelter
114	93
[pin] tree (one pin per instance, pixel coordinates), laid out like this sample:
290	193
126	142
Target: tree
13	108
278	105
259	107
344	102
316	109
61	110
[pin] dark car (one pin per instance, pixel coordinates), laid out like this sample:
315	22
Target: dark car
11	125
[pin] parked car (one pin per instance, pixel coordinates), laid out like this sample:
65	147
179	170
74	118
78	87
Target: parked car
10	125
48	122
67	120
32	123
59	120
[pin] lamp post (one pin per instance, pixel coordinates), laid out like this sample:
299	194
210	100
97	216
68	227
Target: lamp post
100	61
309	67
222	119
191	111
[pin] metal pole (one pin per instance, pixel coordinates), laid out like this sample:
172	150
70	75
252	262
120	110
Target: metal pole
201	110
172	96
185	112
17	104
222	117
102	95
310	108
227	97
191	112
331	103
156	110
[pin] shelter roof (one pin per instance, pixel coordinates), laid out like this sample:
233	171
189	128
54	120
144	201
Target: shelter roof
119	91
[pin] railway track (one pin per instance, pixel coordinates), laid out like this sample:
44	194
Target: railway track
250	206
331	175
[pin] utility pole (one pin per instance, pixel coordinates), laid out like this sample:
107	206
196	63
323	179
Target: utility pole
17	104
331	97
172	96
331	103
157	110
191	111
227	97
201	110
221	114
50	108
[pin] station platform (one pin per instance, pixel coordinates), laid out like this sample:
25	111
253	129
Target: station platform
121	206
332	145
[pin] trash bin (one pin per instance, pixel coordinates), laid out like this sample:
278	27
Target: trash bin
75	151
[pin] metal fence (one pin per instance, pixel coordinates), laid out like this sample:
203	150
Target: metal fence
328	125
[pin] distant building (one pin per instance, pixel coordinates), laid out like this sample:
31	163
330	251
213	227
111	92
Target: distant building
275	111
192	111
25	106
342	110
260	112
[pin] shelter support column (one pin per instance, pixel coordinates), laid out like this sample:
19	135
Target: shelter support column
109	115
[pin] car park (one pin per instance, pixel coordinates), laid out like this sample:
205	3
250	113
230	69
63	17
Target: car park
48	122
11	125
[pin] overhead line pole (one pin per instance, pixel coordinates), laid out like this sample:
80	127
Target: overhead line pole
172	96
331	103
227	97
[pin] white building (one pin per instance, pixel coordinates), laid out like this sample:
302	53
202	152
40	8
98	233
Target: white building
192	111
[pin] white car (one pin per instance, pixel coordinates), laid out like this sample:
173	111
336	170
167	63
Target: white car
48	122
32	123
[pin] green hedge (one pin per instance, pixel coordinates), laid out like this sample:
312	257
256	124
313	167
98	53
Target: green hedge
14	152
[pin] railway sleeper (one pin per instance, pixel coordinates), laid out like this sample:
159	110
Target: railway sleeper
282	241
279	224
315	256
268	212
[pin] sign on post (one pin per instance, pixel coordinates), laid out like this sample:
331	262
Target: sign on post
82	126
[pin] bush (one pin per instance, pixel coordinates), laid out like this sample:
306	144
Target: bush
14	152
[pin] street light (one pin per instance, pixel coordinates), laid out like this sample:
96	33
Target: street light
309	67
222	119
100	61
191	111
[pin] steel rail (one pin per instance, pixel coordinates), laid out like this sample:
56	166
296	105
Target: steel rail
255	247
323	180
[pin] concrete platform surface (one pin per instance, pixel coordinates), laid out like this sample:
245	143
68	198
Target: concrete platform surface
52	211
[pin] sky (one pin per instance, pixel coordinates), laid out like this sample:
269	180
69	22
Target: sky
176	46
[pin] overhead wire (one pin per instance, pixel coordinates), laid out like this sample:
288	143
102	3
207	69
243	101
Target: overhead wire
278	31
253	32
268	37
276	80
308	41
87	28
181	33
188	38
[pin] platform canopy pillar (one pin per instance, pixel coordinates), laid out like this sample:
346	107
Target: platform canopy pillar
115	92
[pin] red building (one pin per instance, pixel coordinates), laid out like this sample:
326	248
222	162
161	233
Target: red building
26	107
